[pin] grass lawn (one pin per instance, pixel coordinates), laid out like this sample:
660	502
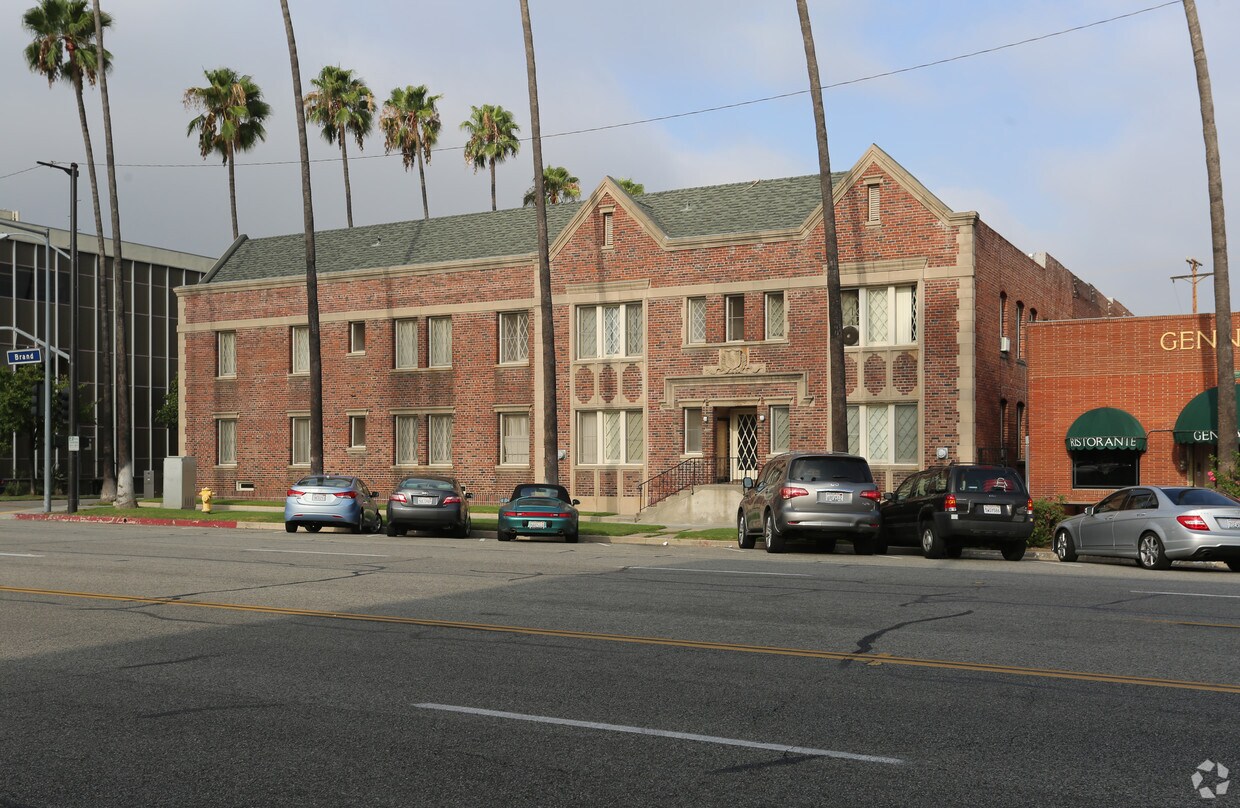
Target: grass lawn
176	513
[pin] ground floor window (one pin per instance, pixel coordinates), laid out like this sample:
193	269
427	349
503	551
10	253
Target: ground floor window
611	436
1105	469
301	441
884	433
514	439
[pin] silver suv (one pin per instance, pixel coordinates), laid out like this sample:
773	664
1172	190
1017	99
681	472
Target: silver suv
826	496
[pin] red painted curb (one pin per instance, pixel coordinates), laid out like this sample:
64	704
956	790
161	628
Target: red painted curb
126	520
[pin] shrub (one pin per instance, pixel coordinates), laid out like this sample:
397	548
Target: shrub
1226	484
1046	514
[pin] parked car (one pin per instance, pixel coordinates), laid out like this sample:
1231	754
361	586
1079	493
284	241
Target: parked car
826	496
1155	525
429	503
331	500
539	509
947	508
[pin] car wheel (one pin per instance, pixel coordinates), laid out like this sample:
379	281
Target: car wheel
743	539
291	527
463	530
504	535
1065	548
313	528
774	541
378	526
571	538
392	530
1150	553
1233	564
1013	550
932	545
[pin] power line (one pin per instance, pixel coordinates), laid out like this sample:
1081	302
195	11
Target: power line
704	110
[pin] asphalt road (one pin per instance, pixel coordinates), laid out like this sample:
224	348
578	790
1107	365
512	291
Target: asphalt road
146	666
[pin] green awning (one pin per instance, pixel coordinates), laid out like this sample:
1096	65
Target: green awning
1106	428
1198	421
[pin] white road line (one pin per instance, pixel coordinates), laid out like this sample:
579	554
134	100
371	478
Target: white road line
684	736
22	555
726	572
311	552
1185	594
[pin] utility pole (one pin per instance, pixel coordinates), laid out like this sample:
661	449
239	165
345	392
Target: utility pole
1195	277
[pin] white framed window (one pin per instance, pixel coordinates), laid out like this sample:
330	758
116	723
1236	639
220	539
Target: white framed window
357	431
439	440
781	429
439	341
734	316
299	427
884	433
693	430
406	343
695	317
514	337
299	341
406	440
226	354
357	337
882	315
514	439
610	437
775	322
614	329
226	441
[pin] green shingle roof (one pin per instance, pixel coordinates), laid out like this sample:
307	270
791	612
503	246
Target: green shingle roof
716	210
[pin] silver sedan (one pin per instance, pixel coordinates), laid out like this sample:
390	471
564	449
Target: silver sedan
1155	525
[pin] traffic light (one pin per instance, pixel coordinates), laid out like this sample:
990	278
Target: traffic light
62	401
36	403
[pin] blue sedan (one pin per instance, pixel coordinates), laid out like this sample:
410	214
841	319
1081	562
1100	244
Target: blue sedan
331	500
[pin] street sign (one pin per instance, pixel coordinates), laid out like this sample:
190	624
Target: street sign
25	356
73	443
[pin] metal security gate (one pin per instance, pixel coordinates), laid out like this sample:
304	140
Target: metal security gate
743	430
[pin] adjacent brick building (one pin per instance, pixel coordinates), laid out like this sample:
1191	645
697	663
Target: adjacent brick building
690	331
1136	404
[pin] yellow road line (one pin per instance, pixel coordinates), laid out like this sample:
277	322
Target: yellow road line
1192	623
808	653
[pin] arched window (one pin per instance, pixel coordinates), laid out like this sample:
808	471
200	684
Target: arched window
1020	430
1020	315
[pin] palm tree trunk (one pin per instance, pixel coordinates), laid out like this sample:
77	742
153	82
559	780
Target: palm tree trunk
493	207
348	191
426	211
1227	440
312	278
232	192
835	313
103	428
125	497
551	437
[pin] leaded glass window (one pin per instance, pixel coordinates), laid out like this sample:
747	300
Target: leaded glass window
633	329
587	332
908	447
406	343
300	340
781	429
697	320
227	352
406	440
440	439
876	316
775	315
440	337
226	449
514	336
634	436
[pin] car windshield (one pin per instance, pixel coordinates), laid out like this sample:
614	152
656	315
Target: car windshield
1199	496
842	469
991	479
551	491
327	482
432	485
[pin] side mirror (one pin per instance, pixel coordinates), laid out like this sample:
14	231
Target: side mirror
747	483
1089	510
890	496
576	502
503	501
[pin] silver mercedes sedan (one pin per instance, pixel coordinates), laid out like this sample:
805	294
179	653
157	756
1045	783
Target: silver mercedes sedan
1155	525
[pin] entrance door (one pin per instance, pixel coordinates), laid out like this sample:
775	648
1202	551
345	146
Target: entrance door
743	434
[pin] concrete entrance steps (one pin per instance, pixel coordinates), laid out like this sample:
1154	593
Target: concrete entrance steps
703	506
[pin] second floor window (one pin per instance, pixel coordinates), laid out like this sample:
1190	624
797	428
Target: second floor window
406	343
775	315
735	318
695	313
882	315
357	337
300	342
610	330
514	337
439	331
226	351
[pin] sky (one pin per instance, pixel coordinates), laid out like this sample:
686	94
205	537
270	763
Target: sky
1085	145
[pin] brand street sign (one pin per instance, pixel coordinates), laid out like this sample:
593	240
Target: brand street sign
26	356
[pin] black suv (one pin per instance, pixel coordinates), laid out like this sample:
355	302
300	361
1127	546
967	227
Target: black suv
946	508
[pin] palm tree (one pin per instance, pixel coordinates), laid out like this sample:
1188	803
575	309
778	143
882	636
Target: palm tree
838	394
492	139
312	278
410	124
551	406
125	494
1227	441
631	188
233	112
558	186
63	48
343	105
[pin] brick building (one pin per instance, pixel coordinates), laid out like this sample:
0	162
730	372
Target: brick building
1137	404
690	333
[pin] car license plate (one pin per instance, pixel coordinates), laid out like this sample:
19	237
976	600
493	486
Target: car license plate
536	525
1229	524
318	497
423	500
834	497
992	510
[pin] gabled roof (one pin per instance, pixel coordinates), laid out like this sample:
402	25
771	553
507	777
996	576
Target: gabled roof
716	210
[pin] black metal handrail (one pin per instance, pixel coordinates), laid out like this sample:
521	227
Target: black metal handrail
687	473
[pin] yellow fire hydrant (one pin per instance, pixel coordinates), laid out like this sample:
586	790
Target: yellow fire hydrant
206	495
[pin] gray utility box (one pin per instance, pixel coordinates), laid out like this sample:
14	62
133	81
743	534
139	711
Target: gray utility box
180	482
148	484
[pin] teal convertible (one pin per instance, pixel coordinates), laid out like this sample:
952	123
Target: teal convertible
538	509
